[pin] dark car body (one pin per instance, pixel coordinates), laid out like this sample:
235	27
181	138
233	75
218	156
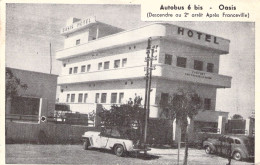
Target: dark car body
239	147
200	137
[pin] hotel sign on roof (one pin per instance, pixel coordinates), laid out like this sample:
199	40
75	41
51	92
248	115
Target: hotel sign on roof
78	25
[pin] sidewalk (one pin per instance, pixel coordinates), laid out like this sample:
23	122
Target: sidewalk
174	151
162	151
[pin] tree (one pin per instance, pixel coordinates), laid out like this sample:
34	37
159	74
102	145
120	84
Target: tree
126	115
123	115
181	105
237	117
12	84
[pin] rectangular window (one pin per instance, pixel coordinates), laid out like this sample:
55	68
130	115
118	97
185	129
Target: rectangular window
121	98
210	67
207	104
106	65
85	97
113	97
100	66
80	98
168	59
88	67
83	68
97	98
198	65
25	106
164	98
124	62
116	63
181	62
72	98
78	42
70	71
103	98
75	70
68	98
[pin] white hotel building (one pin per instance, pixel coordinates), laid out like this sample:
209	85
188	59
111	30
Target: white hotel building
105	64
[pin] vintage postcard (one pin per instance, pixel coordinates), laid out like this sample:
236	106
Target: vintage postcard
129	82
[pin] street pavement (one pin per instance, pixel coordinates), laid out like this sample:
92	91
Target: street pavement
74	154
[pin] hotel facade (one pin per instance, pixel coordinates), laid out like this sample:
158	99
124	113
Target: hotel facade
104	64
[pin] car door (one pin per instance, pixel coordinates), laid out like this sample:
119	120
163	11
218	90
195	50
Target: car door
228	145
104	137
114	138
219	145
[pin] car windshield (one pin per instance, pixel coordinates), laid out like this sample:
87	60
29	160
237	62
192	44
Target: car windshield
124	133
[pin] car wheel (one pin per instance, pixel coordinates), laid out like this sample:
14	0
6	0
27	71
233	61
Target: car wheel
86	144
237	156
208	150
119	150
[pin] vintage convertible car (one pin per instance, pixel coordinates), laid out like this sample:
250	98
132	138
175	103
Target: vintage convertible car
239	147
121	141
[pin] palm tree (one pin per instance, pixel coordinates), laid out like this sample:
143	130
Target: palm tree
182	105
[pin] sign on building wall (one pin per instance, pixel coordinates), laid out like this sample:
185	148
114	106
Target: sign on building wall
78	25
198	74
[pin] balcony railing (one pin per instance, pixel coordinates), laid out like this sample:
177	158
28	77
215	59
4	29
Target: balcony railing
161	71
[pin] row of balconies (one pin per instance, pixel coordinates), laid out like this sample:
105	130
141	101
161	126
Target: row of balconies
161	30
161	71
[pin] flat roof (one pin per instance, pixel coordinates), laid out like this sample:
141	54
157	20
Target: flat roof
31	71
86	23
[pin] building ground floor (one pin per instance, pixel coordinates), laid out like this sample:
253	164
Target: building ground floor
82	97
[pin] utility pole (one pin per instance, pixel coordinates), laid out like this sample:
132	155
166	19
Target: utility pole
50	59
148	80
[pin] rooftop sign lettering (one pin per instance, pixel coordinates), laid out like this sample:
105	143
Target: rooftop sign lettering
198	35
78	25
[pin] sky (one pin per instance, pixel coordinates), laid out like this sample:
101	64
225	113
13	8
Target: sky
31	28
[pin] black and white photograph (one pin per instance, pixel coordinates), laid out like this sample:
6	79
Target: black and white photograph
95	84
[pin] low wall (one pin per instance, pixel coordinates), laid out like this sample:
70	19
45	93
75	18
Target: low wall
44	133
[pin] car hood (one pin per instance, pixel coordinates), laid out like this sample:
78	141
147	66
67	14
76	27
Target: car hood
212	140
91	133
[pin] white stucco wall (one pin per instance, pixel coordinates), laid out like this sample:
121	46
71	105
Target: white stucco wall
177	49
171	87
135	54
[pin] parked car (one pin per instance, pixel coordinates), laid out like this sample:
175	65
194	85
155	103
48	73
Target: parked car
121	141
242	147
200	137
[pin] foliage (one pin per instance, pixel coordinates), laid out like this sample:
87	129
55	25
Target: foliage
12	84
183	104
237	117
252	114
92	115
123	115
